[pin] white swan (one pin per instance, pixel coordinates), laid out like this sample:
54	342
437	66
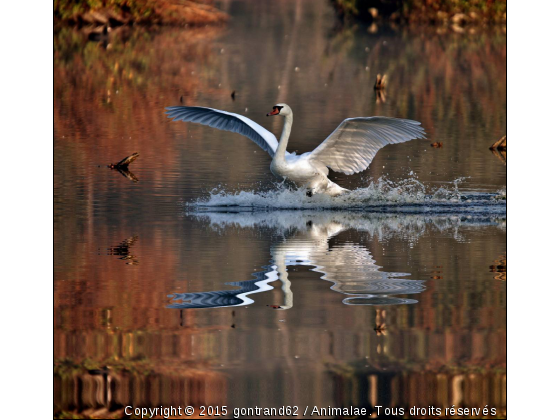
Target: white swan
349	149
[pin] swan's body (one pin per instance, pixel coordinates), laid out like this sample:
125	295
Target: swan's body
349	149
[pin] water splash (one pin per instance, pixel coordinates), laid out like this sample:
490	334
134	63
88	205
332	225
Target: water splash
407	195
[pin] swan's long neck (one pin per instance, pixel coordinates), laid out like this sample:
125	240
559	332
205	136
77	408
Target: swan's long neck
281	151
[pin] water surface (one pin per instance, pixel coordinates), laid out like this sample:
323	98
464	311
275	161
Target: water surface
197	280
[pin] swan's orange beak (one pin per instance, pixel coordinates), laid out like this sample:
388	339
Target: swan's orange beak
275	111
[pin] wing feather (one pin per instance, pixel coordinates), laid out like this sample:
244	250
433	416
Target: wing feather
227	121
353	145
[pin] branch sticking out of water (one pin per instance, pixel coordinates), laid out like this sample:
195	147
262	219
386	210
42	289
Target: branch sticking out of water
499	145
380	82
123	164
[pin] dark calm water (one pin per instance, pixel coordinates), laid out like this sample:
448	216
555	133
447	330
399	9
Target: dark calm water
253	294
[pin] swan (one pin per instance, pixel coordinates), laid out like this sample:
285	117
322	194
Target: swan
349	149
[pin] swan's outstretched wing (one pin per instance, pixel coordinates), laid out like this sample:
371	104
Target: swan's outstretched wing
353	145
227	121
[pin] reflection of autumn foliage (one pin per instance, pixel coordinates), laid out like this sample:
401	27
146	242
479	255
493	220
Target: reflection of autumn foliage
105	94
109	100
105	395
443	388
436	74
432	11
455	84
121	81
118	12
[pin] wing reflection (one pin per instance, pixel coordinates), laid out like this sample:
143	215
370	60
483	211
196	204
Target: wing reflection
305	241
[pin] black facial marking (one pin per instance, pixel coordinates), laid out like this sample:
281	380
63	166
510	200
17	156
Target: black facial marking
279	108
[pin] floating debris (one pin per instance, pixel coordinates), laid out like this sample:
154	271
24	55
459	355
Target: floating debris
500	268
233	95
380	82
499	145
437	145
123	164
123	251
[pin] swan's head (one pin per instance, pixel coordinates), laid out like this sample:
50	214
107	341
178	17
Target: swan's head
280	109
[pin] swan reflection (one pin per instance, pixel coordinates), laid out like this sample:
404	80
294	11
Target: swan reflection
304	240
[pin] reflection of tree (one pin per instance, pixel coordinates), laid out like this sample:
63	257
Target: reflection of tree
360	384
454	84
133	69
109	101
430	74
106	103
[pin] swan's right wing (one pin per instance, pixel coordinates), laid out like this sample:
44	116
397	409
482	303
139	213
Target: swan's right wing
223	120
353	145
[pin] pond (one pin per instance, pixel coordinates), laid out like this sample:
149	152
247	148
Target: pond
196	278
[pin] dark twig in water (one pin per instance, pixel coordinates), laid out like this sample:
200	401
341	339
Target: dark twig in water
123	164
127	174
123	250
380	96
380	82
499	149
500	154
499	145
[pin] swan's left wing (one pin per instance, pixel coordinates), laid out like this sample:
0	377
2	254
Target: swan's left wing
353	145
223	120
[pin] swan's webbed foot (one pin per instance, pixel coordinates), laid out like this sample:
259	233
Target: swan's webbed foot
309	193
